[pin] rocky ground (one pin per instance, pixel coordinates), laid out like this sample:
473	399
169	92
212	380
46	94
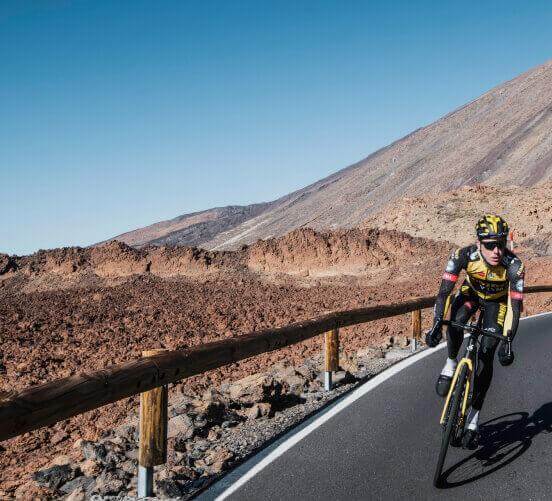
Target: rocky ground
69	310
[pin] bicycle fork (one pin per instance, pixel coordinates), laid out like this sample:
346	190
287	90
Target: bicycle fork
464	361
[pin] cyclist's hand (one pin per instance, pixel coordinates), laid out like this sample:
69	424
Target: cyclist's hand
434	335
505	354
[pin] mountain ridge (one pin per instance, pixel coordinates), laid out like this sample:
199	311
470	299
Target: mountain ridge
500	138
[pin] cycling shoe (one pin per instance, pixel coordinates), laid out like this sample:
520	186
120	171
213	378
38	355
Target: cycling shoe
442	386
470	440
456	441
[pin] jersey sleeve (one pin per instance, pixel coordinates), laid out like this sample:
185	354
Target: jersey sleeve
457	262
516	276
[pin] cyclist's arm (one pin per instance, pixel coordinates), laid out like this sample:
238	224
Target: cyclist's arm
456	263
516	276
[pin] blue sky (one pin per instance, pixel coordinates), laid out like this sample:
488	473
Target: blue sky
118	114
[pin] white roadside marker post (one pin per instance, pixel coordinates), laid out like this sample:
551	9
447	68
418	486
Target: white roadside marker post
416	328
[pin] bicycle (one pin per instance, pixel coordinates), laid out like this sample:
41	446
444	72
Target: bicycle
461	389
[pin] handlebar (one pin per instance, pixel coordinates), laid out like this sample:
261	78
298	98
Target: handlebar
476	330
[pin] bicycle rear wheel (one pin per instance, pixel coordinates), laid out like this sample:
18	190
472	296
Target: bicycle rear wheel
452	421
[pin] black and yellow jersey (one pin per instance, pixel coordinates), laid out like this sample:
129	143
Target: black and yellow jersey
486	281
502	283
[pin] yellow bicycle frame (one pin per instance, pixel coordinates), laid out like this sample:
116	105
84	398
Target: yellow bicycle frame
463	361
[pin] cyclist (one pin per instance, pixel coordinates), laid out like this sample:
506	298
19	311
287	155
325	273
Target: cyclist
494	280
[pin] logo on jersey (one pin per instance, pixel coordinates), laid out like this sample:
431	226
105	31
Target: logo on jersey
450	266
519	285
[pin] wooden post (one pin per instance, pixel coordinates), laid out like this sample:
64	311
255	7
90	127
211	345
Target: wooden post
153	433
331	358
416	328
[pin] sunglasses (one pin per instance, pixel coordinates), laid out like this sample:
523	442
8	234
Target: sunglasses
494	245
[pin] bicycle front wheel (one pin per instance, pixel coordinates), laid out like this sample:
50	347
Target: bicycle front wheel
452	421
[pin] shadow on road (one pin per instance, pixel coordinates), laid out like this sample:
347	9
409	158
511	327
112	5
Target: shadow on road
502	440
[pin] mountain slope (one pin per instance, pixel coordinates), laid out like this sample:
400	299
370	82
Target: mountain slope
192	229
502	138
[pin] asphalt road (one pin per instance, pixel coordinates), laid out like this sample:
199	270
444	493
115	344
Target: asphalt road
385	444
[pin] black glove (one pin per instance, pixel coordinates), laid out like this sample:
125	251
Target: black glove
505	354
434	335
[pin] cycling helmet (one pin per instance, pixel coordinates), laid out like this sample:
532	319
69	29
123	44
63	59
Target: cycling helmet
492	227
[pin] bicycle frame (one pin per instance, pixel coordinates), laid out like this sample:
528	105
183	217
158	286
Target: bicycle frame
469	359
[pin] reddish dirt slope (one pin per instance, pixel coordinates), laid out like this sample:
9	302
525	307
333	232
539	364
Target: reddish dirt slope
305	253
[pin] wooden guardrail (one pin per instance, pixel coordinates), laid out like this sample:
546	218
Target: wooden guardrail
48	403
55	401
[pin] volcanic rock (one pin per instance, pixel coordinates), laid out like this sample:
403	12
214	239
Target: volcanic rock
181	426
54	476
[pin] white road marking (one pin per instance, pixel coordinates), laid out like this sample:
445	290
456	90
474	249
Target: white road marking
316	423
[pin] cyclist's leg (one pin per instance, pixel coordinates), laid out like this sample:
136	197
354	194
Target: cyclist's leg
493	321
462	308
